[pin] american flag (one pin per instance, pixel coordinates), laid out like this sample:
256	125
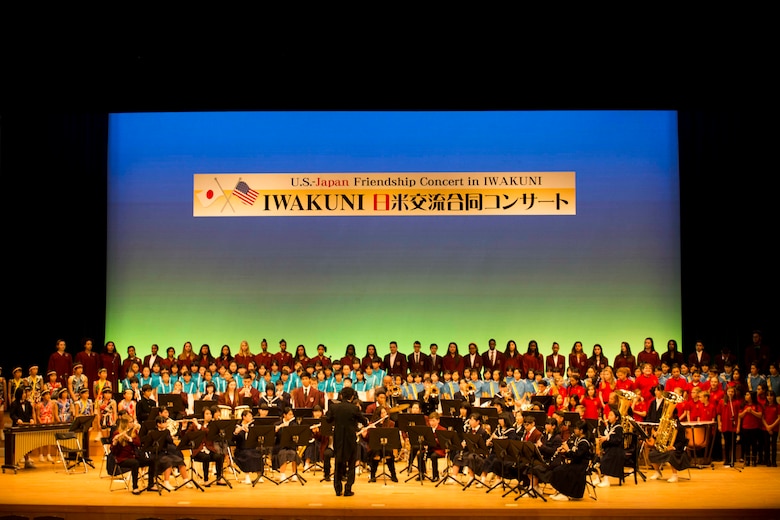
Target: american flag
247	195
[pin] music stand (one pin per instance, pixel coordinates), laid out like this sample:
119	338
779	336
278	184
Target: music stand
501	450
453	424
218	431
262	437
201	405
219	438
82	425
191	441
326	432
526	454
545	401
295	436
172	402
151	444
303	413
475	444
570	418
449	438
540	417
450	407
420	437
382	440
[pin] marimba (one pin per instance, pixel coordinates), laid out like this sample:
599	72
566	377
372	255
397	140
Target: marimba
20	440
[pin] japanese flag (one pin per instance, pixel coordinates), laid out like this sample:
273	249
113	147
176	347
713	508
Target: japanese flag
210	192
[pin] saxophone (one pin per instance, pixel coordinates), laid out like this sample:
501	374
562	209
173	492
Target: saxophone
667	426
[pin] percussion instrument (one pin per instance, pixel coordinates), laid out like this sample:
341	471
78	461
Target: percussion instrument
239	410
399	408
701	437
224	412
20	440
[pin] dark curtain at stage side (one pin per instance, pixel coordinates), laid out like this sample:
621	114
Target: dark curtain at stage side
728	282
56	229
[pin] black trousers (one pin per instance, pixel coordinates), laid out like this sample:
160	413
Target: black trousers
345	467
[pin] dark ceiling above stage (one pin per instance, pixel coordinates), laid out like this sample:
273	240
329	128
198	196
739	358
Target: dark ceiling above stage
56	233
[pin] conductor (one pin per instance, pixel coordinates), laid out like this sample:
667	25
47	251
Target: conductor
345	415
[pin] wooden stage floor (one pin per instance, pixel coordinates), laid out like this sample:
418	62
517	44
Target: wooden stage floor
711	493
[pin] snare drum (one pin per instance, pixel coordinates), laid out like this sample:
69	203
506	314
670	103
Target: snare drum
225	413
239	410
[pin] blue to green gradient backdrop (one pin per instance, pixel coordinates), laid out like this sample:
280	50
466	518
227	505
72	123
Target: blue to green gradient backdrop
609	274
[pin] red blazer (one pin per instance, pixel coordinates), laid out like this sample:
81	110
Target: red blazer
436	364
476	364
452	364
264	358
300	401
535	362
581	364
420	367
560	364
488	367
284	359
397	368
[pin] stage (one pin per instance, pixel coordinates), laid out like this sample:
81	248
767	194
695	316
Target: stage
711	493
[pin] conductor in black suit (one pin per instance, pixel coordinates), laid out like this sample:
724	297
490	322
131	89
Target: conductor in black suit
345	416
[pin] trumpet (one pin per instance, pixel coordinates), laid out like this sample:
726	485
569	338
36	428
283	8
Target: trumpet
472	388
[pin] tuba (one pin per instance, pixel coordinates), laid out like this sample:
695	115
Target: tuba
626	398
667	426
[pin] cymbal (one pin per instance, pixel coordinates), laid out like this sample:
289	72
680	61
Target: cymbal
399	408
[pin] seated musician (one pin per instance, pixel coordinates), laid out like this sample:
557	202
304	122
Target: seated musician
674	454
166	453
467	458
249	460
285	456
205	451
551	440
249	392
613	454
380	419
380	401
549	447
318	448
569	479
124	444
494	465
435	451
428	399
21	412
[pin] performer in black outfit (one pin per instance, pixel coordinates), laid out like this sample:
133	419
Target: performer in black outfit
569	479
345	416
